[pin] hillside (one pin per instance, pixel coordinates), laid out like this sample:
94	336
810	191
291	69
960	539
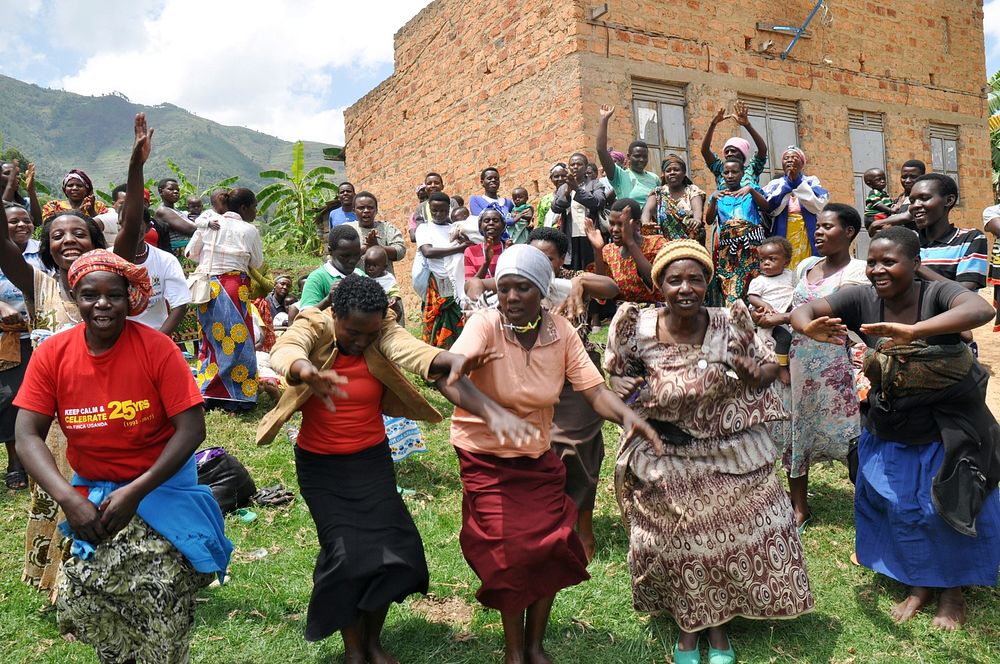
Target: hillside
61	130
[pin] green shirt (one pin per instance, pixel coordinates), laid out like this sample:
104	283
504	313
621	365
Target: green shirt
629	184
319	282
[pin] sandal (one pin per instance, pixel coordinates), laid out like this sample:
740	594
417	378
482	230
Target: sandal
273	495
16	480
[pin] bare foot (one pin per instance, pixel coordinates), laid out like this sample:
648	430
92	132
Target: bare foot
687	640
536	657
69	637
784	375
951	610
909	606
376	655
589	545
354	657
802	517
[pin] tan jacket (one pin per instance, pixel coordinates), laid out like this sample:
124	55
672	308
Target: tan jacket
312	337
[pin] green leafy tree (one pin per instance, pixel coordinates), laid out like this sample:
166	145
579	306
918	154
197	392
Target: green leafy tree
993	99
295	199
189	188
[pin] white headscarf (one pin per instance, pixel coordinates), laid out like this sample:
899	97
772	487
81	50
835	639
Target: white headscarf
523	260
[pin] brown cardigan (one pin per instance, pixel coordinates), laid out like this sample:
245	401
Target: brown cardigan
312	337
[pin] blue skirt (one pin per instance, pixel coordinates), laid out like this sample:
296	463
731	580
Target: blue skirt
900	535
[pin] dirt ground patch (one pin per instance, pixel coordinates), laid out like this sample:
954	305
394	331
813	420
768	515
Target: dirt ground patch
445	610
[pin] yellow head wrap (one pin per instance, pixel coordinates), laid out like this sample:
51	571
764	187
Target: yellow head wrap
676	250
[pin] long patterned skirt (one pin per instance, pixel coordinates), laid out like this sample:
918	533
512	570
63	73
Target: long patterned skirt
443	318
227	362
133	600
707	546
736	262
45	548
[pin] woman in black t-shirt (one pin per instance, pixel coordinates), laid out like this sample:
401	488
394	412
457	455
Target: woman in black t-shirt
927	512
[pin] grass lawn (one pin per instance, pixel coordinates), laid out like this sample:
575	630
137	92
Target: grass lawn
259	615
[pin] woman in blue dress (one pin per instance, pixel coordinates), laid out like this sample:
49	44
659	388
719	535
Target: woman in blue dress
927	512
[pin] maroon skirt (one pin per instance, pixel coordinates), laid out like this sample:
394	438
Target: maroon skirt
517	528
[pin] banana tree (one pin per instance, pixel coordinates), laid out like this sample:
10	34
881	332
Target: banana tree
294	199
189	188
993	99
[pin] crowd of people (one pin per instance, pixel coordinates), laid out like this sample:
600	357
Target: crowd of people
744	334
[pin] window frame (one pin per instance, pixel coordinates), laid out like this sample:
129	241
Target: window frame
662	94
945	133
771	111
868	121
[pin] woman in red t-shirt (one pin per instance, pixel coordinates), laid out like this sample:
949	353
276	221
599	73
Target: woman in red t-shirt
344	370
145	536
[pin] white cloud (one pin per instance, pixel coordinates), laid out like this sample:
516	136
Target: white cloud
991	26
269	65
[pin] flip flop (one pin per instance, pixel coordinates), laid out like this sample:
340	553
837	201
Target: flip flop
16	480
802	526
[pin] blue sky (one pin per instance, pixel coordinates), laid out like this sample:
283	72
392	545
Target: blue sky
284	67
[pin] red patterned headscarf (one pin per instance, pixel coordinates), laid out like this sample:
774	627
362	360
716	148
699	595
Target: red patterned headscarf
81	177
102	260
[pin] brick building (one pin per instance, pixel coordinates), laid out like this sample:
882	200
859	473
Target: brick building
518	84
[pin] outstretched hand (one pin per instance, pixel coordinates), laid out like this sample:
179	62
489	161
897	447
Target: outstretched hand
637	427
741	114
462	365
593	234
826	329
607	110
896	334
324	384
509	429
29	178
143	144
747	369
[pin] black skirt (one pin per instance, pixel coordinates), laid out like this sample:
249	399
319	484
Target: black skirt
370	551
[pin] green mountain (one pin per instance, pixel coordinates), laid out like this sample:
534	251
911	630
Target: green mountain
60	130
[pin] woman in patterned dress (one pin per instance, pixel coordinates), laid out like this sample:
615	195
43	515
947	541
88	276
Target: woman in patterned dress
629	257
711	532
676	208
823	399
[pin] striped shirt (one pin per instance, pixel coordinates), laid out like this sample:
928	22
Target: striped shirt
961	255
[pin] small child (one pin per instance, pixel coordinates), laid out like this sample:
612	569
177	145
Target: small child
878	203
460	213
771	293
520	220
376	267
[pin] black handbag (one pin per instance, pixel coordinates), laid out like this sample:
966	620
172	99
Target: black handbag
228	479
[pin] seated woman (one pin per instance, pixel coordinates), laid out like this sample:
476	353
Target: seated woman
344	373
705	510
145	535
628	259
517	521
927	512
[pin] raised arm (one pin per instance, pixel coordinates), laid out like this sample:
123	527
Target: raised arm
706	143
607	163
597	242
36	208
12	181
642	265
130	230
742	117
12	262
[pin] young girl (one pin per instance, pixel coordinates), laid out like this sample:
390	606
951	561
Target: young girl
481	259
740	231
438	273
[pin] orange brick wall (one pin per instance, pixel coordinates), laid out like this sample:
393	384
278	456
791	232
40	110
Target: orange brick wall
518	85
